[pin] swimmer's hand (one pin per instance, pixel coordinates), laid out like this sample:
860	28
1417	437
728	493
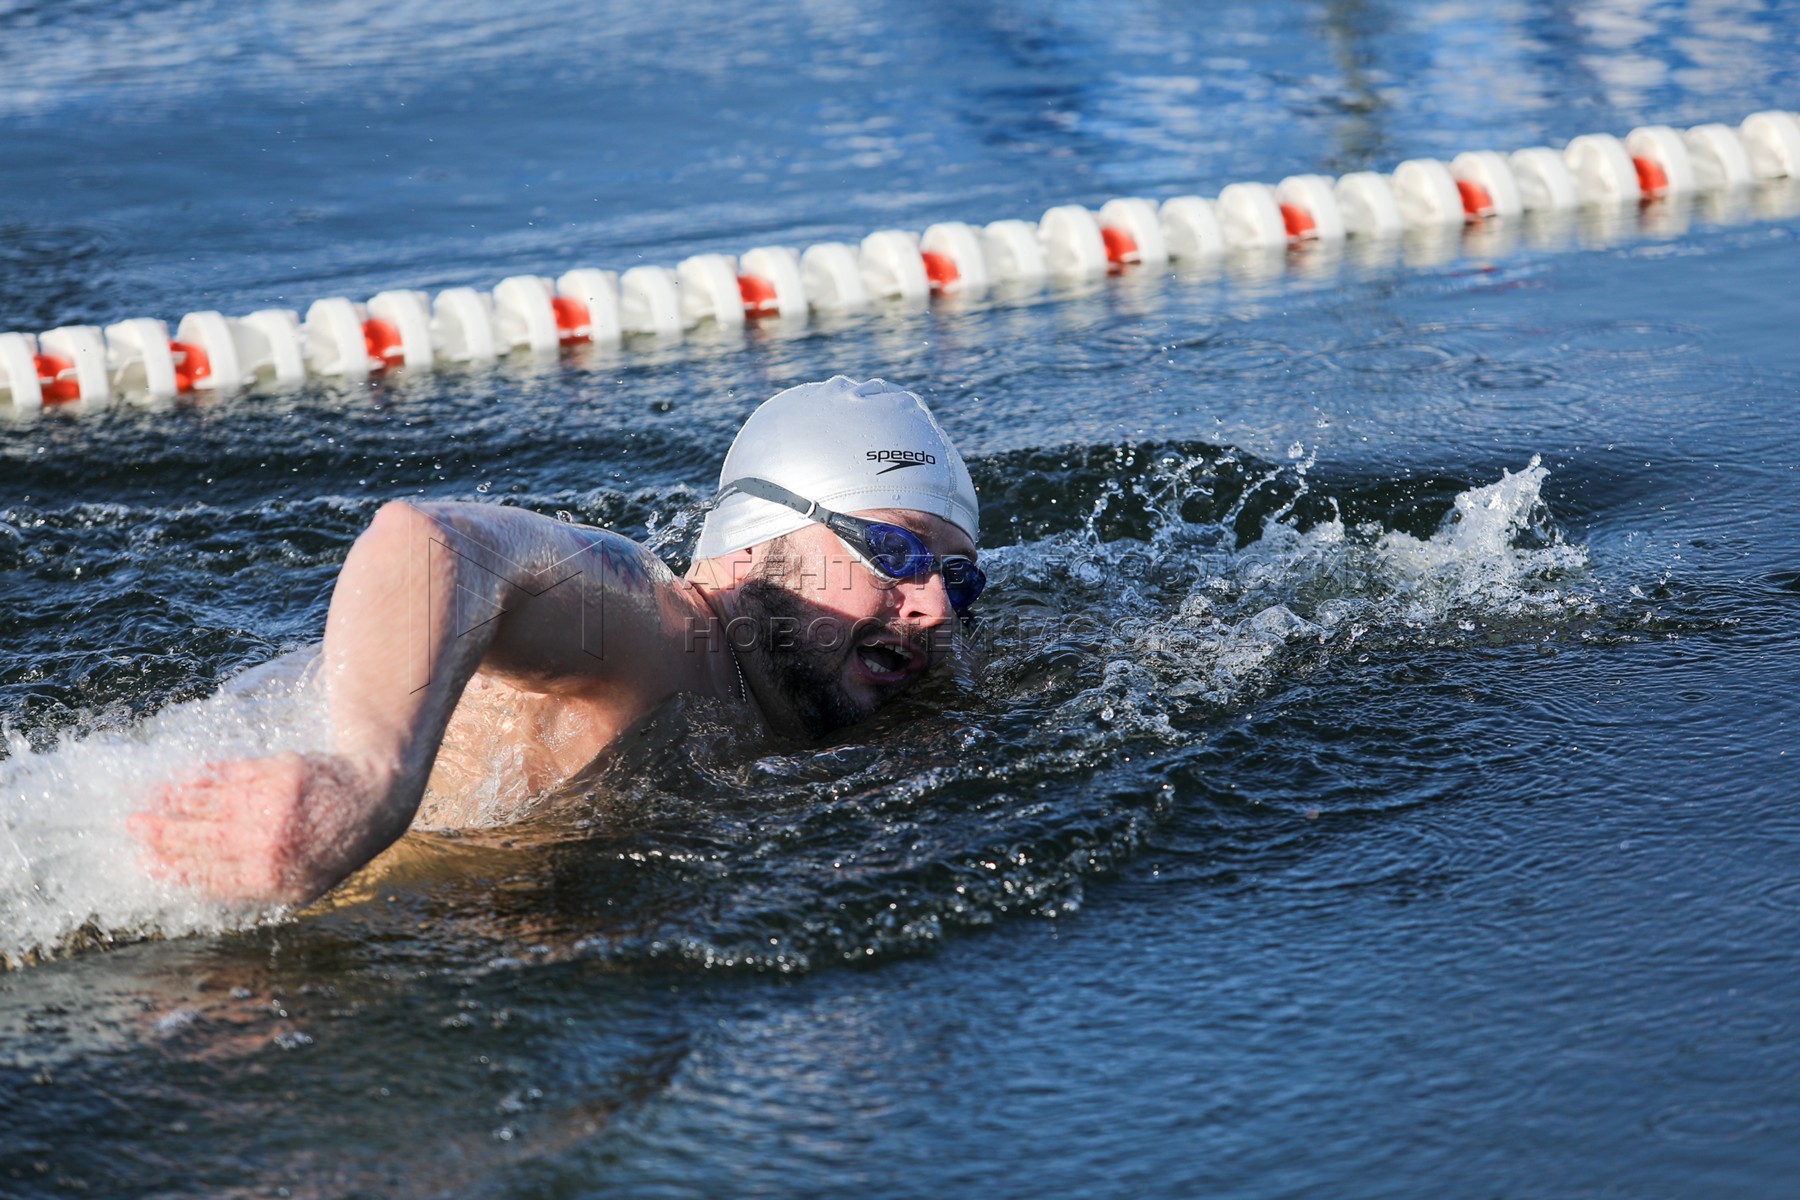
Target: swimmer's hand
284	829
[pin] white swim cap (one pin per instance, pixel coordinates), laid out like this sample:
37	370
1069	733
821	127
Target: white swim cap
849	446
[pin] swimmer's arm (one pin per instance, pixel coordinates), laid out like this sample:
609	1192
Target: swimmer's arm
428	595
432	593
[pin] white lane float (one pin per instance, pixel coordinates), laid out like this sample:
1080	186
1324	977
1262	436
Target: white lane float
140	359
650	303
462	326
77	355
1428	195
523	317
1250	217
209	341
892	267
1190	228
271	346
25	374
1545	183
399	322
708	289
1013	254
1660	155
1368	206
1720	161
1471	202
833	278
338	344
1603	171
1772	143
65	364
1073	245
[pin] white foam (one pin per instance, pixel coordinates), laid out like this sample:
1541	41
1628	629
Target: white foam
1248	615
1472	558
70	871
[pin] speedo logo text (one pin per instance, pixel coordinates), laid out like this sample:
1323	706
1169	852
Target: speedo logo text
901	459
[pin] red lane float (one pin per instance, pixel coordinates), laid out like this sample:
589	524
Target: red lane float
954	263
1487	184
589	304
1310	210
1132	232
778	268
30	377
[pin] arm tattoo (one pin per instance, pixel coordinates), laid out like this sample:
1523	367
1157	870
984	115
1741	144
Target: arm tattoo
621	562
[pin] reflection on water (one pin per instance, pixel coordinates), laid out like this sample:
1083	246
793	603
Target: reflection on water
1334	768
470	154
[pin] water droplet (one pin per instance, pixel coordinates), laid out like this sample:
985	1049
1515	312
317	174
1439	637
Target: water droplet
180	1018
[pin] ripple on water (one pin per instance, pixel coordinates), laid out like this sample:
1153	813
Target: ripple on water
1783	897
1436	359
1708	1123
1391	358
1509	376
1412	862
56	274
1685	378
1234	357
1629	339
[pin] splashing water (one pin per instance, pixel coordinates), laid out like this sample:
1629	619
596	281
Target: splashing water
1099	658
70	875
1198	620
1134	629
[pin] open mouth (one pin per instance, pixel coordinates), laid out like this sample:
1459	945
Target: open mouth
884	660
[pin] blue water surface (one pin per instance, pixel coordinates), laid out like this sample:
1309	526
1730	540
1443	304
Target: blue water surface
1285	868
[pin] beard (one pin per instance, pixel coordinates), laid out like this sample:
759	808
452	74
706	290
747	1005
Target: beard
808	676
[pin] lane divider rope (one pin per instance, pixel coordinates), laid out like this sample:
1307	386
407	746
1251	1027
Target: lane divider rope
213	353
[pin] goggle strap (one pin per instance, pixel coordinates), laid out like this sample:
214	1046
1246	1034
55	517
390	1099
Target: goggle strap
774	493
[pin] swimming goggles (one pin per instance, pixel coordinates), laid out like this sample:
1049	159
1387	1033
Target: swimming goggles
892	551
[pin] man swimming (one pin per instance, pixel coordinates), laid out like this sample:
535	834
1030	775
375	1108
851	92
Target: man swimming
829	574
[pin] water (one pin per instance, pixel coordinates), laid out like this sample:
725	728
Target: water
1376	779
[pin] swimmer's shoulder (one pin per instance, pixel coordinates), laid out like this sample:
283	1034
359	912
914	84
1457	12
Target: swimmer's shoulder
596	612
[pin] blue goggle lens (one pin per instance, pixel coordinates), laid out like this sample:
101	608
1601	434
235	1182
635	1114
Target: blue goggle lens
899	554
964	581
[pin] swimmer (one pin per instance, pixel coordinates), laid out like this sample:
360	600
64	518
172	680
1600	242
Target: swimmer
831	569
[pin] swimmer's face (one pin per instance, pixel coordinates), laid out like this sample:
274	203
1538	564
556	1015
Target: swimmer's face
840	639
